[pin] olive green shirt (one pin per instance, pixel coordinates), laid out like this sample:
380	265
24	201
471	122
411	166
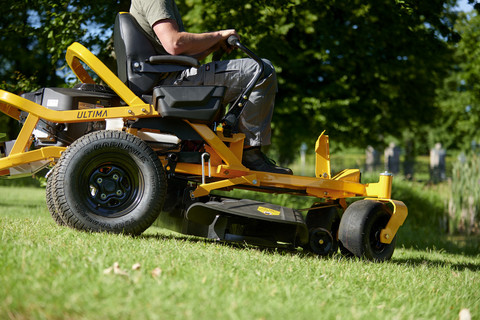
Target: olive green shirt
147	12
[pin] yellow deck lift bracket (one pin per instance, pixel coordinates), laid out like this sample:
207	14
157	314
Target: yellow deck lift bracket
322	157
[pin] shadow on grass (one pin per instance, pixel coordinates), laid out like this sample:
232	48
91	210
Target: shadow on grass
426	247
417	262
426	239
287	249
470	249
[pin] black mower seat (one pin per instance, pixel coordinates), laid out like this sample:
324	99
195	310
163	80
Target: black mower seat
142	63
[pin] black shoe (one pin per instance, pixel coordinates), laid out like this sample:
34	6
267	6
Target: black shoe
254	159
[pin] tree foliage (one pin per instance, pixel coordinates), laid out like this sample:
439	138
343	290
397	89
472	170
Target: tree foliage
458	120
365	71
34	36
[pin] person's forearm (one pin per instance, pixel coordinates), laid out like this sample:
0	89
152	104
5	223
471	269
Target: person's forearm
177	42
194	44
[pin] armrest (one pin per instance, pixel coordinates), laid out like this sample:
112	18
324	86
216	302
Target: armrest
177	60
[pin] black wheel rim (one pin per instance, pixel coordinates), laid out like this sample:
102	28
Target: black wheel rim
111	185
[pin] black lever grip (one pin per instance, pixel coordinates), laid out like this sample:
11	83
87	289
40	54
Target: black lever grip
233	41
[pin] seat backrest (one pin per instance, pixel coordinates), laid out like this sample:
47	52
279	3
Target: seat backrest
133	46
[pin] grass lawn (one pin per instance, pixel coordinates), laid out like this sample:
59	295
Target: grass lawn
52	272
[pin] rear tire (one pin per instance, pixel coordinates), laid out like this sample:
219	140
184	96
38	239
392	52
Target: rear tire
360	229
49	194
109	181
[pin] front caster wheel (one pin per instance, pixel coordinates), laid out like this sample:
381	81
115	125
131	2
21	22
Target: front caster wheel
360	228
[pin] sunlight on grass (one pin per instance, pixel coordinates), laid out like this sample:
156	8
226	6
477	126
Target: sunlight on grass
51	272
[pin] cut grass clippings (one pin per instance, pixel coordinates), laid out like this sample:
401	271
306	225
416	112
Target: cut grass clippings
52	272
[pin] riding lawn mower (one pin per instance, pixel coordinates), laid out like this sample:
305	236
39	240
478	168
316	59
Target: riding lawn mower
123	154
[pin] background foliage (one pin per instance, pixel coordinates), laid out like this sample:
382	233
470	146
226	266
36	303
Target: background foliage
458	99
363	71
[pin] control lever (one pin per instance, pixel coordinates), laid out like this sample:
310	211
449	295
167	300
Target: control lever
231	118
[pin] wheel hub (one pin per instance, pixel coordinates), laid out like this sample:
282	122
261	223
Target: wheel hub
110	186
376	243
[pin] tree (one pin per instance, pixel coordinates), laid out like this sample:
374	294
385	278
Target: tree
457	123
364	71
34	36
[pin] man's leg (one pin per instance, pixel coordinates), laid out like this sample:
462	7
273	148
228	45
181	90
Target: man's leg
256	115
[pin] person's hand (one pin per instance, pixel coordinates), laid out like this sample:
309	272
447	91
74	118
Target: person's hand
228	32
225	35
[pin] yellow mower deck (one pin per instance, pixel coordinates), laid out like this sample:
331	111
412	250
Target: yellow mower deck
226	169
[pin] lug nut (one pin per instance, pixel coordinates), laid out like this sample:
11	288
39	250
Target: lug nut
103	196
119	192
99	180
115	177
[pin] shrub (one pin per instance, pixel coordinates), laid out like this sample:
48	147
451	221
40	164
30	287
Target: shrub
464	199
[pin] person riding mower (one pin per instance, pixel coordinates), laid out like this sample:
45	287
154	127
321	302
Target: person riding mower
123	154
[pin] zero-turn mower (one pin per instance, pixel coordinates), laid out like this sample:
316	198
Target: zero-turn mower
125	153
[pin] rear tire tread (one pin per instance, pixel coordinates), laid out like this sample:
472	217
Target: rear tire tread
50	201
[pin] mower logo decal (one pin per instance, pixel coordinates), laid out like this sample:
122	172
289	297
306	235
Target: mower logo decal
268	211
91	114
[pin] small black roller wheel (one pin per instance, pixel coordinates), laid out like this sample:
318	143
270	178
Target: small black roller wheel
321	241
322	224
109	181
49	194
360	228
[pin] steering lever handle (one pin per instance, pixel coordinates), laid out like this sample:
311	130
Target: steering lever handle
231	118
233	41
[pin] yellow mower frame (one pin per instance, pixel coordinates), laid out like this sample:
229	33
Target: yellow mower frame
227	170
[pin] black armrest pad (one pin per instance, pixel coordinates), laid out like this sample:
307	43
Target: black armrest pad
177	60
